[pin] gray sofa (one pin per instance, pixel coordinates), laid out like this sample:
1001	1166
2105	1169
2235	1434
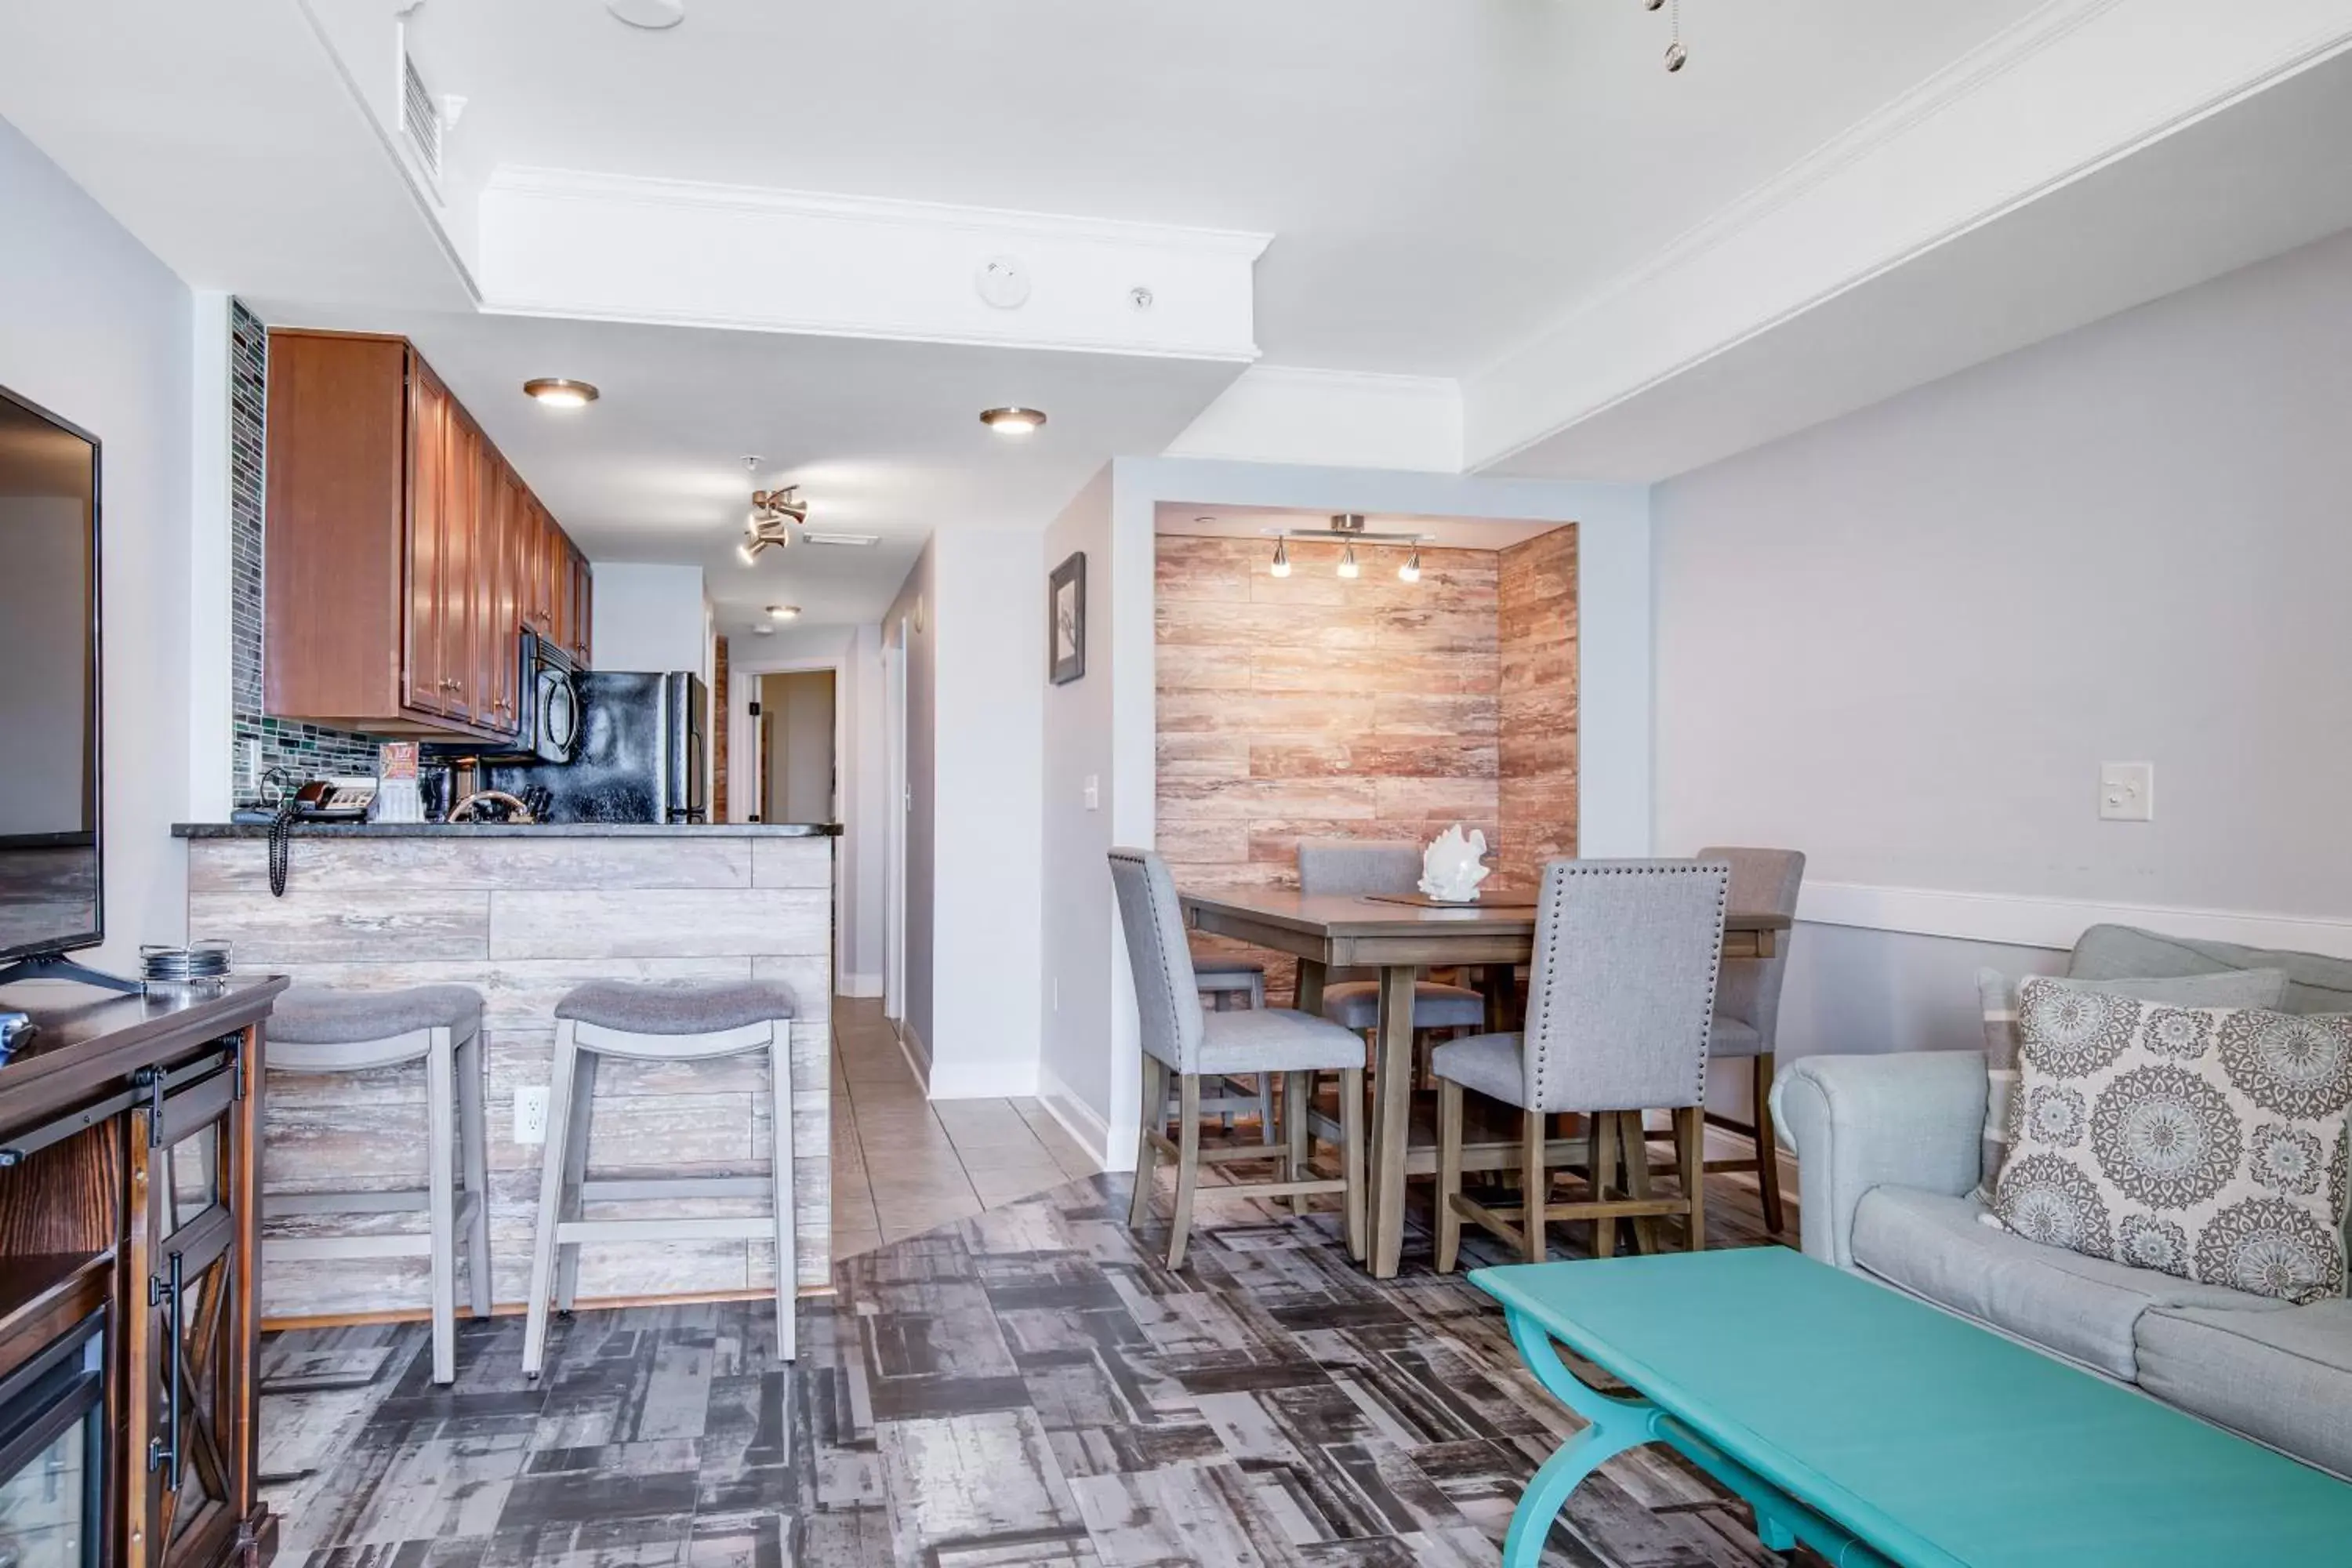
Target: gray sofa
1889	1151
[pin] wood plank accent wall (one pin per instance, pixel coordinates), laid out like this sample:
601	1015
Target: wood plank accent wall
1314	707
1537	615
522	921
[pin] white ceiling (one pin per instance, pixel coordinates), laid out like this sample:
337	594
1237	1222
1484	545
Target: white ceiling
884	437
1440	176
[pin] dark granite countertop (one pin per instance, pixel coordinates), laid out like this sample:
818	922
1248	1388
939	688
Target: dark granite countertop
515	831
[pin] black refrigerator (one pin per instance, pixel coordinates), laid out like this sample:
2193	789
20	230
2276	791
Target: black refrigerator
643	754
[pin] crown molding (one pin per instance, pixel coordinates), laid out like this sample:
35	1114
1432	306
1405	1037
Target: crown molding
930	216
2002	127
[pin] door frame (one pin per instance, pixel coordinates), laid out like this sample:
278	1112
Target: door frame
745	763
894	833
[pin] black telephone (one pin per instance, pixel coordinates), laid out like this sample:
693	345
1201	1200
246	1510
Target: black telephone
321	800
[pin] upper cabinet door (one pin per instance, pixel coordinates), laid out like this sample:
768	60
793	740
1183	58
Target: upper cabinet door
424	679
582	588
501	654
460	564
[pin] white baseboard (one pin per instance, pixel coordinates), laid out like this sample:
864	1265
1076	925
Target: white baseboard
860	984
2020	921
981	1080
1081	1121
918	1055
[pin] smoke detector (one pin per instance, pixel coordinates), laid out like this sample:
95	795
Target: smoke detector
651	14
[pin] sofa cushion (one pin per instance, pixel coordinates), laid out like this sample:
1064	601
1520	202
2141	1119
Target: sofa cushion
2316	983
2082	1309
2281	1378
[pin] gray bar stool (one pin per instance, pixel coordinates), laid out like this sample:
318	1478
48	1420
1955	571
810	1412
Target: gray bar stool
316	1030
662	1022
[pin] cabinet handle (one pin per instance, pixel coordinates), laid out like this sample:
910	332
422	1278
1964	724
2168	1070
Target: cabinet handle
163	1450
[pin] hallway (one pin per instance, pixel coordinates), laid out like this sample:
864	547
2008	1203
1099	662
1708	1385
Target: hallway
903	1165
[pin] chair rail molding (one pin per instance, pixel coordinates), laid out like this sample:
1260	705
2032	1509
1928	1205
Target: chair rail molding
2017	919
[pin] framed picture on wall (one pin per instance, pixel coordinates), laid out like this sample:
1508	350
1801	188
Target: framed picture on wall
1066	611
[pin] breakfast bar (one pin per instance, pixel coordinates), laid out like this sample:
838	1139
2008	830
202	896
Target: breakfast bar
522	913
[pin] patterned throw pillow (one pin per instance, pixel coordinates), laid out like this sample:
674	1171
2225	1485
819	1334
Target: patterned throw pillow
2206	1143
1996	994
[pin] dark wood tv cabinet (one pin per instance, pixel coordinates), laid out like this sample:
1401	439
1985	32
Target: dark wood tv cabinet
129	1235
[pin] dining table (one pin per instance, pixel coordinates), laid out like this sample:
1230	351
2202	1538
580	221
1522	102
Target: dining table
1398	935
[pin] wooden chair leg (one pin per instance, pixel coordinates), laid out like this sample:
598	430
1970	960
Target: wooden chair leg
1449	1173
1635	1147
1188	1166
441	1154
575	1172
1351	1156
1537	1180
473	1154
779	1180
1604	1172
1266	1109
1690	1128
1153	1119
1295	1102
1768	1152
551	1201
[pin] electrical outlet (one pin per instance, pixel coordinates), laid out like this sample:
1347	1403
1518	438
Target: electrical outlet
531	1115
2127	791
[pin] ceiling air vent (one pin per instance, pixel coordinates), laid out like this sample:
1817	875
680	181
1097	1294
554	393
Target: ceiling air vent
419	119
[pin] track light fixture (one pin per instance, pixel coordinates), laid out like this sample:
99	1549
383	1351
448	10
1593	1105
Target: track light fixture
1281	567
1411	571
1348	567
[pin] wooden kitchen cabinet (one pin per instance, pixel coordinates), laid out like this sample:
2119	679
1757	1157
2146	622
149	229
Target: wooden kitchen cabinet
405	556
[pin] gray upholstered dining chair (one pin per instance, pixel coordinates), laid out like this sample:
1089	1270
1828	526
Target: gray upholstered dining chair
1748	1007
1346	868
1619	1005
1231	980
1181	1037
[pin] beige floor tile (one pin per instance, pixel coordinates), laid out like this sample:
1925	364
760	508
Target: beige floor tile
995	1187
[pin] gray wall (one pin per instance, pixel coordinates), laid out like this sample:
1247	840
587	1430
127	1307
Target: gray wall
913	609
1906	640
95	328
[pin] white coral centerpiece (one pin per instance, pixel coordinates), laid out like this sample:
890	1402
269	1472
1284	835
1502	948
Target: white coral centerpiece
1453	867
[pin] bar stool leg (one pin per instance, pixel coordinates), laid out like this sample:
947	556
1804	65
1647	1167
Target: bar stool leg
1295	1102
1188	1166
779	1159
1154	1119
551	1201
440	1131
575	1172
474	1151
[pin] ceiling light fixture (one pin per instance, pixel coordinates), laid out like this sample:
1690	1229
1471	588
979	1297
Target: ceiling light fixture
1281	567
1411	571
1011	420
558	392
1347	529
1348	567
1677	55
785	612
774	514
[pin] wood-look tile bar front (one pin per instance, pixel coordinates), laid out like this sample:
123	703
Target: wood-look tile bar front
522	919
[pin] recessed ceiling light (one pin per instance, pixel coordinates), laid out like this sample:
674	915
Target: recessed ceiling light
649	13
764	629
785	612
557	393
1012	421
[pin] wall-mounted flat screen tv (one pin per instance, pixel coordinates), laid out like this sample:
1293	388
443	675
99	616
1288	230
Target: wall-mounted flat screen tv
50	882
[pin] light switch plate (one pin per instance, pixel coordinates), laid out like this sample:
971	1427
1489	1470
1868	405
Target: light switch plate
1094	792
2127	791
531	1115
